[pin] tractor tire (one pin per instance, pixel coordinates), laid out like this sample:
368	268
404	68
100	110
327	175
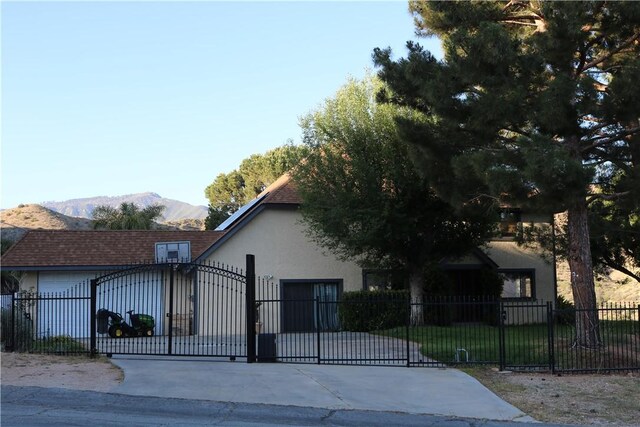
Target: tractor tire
116	332
148	332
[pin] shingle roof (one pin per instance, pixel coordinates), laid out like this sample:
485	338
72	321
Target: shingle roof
62	248
282	191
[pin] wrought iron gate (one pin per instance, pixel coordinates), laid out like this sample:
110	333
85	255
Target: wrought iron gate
182	309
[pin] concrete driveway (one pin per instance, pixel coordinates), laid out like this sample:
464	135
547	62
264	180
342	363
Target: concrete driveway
447	392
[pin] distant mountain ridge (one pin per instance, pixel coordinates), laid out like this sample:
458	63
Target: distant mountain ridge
15	222
175	210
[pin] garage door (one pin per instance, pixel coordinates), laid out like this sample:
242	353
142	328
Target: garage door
60	312
142	293
309	306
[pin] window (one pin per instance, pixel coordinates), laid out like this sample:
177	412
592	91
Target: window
509	220
379	280
518	284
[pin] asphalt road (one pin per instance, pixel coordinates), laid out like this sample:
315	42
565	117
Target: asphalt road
36	406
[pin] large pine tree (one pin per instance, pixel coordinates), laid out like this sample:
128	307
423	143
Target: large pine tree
535	103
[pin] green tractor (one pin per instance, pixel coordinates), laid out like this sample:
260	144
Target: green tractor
114	324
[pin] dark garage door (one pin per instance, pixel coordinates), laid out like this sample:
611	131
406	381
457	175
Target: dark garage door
300	313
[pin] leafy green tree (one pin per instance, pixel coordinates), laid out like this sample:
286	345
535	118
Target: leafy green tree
535	103
228	192
226	195
127	217
363	199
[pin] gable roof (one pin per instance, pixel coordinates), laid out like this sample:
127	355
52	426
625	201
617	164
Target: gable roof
282	192
66	249
475	259
97	248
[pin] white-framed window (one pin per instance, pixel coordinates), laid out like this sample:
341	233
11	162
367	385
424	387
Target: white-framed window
518	284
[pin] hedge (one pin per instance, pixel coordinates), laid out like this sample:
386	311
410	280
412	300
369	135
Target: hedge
364	311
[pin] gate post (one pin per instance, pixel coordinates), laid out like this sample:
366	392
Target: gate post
316	306
12	347
170	313
92	317
501	337
550	325
251	308
407	329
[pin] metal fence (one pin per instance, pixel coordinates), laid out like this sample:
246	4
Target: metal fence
512	335
53	323
181	309
225	319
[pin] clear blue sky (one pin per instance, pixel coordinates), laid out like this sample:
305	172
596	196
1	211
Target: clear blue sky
113	98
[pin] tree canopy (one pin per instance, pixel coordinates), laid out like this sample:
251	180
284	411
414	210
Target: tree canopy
126	217
229	191
362	198
535	104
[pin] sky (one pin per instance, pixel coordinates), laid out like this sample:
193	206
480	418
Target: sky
115	98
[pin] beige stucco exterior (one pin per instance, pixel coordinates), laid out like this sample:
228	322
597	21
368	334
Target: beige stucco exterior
283	251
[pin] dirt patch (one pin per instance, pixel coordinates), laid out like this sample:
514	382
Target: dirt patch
610	400
75	372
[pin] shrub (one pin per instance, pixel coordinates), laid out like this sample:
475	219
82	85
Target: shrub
61	344
364	311
565	313
439	312
20	337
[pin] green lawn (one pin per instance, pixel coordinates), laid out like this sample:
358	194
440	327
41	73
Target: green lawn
524	345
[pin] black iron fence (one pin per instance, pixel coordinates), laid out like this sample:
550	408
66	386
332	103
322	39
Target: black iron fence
180	309
53	323
208	310
513	335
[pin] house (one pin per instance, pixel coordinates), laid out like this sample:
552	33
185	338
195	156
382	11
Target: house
289	266
60	264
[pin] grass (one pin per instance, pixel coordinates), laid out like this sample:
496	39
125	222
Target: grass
525	346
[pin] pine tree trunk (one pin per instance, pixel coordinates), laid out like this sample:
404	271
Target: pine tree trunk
582	280
416	287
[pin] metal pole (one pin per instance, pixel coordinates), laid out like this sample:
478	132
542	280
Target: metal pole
170	314
316	303
501	351
13	322
408	323
552	356
251	308
92	317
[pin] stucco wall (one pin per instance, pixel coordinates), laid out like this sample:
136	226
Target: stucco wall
283	251
508	255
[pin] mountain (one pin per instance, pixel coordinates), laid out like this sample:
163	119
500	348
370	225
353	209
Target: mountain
15	222
175	210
